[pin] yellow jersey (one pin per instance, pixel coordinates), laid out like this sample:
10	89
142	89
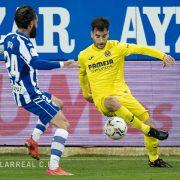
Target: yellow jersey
103	69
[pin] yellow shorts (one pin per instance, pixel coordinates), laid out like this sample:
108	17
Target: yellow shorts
127	100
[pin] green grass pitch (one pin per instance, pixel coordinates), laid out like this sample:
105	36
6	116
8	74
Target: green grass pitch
92	167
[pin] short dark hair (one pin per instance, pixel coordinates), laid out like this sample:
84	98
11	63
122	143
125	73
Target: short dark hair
23	16
100	24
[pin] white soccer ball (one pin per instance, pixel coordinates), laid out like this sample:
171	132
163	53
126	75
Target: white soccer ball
115	128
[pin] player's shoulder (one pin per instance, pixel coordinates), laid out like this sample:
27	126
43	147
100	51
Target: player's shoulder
112	43
15	38
10	40
115	43
85	52
122	43
10	36
23	39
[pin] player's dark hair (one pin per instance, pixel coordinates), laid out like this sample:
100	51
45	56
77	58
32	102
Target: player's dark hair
100	24
23	16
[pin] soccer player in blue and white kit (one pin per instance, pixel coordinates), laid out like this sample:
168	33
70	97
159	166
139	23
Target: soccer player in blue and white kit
22	61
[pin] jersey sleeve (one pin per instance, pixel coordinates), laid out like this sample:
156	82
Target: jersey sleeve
31	57
42	64
127	49
83	76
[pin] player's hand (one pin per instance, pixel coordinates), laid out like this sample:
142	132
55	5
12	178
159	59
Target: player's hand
168	60
70	64
90	99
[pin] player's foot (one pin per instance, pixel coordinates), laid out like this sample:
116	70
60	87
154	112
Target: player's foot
32	147
159	163
158	134
57	172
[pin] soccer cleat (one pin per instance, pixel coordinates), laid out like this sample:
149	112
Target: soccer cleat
159	163
158	134
32	147
57	172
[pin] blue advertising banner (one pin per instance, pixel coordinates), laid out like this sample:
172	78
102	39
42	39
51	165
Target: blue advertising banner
64	25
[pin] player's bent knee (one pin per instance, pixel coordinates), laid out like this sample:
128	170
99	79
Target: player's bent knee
112	104
61	124
57	101
60	103
60	121
144	117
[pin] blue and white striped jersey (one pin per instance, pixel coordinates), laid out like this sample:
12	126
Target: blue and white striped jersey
18	53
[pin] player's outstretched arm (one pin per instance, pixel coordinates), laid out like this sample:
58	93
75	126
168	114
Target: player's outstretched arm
128	49
70	63
42	64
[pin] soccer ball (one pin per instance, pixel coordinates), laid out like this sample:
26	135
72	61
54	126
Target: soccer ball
115	128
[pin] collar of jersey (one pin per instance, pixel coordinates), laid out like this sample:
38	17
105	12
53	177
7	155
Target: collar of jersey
97	49
22	34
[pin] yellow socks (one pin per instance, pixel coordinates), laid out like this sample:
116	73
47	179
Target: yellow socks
124	113
151	147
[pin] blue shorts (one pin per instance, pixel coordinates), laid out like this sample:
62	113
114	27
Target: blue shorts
43	107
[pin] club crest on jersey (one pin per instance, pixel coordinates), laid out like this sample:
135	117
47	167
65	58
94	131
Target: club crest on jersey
10	45
107	53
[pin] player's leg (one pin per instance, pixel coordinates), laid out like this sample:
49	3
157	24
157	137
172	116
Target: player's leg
57	101
40	127
142	114
113	104
32	143
61	134
39	130
57	146
133	105
48	111
152	144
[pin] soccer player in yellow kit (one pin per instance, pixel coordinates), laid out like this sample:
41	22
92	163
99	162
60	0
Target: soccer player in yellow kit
101	75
